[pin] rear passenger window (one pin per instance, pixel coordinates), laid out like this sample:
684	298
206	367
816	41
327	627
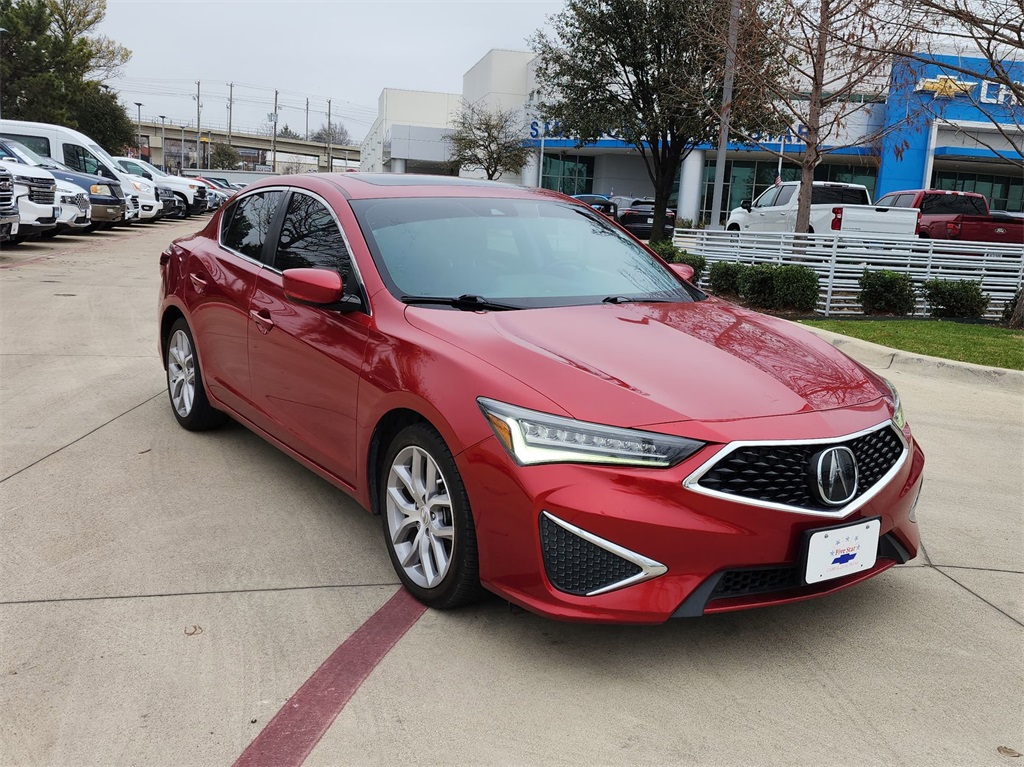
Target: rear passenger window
248	223
310	238
785	195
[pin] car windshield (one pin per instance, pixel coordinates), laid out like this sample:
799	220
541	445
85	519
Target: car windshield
521	253
151	168
100	152
27	156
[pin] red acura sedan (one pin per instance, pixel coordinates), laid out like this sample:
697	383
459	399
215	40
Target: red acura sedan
533	402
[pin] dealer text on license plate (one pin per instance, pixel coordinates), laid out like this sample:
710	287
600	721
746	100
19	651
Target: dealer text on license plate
842	551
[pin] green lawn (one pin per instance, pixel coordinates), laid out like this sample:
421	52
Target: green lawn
980	344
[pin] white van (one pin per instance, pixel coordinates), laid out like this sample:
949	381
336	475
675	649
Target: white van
81	153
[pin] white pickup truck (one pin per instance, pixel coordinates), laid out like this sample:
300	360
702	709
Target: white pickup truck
835	208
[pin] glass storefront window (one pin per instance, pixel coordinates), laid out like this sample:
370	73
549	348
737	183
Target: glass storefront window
1002	192
569	174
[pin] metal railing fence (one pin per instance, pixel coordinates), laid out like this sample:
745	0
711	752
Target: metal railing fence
841	259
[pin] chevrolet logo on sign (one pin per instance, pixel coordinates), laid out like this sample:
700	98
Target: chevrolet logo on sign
944	86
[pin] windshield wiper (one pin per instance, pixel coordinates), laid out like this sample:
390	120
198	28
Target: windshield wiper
467	301
630	300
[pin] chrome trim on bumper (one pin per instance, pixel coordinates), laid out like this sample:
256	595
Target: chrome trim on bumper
648	567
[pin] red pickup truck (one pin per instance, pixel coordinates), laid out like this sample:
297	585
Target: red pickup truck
963	216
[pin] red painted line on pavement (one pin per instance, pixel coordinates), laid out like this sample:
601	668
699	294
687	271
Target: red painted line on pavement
24	262
295	730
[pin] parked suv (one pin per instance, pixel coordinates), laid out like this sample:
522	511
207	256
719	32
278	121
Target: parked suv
105	200
35	193
636	214
192	193
9	216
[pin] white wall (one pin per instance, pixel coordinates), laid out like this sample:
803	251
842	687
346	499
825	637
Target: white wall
426	109
622	174
498	80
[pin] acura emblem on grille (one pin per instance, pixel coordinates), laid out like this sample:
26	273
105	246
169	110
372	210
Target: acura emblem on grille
836	472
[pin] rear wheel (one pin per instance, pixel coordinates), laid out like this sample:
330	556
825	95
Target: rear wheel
183	213
428	525
185	388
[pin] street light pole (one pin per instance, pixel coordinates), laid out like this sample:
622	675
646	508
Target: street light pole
163	143
2	33
138	137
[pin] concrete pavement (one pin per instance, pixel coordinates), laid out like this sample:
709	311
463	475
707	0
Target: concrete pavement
161	590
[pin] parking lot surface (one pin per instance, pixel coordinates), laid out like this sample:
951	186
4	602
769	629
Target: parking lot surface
164	595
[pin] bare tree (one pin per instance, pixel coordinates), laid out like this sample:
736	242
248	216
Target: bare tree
840	55
491	141
339	135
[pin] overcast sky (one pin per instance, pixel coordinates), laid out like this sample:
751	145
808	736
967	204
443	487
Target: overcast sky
344	50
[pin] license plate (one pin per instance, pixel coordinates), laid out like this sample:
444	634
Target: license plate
14	228
650	221
842	551
56	211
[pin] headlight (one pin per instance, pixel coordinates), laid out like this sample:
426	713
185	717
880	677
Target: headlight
67	199
142	187
193	187
897	416
532	438
101	189
25	180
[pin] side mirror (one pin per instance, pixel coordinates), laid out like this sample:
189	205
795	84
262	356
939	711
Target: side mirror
318	287
745	204
683	270
147	174
11	160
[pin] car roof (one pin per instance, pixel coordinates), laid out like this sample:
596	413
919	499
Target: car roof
356	186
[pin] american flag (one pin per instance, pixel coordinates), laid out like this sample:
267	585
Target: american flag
778	180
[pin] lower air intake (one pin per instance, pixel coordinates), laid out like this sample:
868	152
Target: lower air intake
577	566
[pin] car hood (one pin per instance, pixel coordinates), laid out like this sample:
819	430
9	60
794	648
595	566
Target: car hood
644	364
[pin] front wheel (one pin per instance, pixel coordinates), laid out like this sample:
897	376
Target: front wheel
185	388
428	525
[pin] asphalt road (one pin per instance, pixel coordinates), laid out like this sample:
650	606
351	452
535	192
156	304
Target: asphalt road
163	594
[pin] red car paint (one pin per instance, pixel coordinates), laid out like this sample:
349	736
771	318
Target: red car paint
317	383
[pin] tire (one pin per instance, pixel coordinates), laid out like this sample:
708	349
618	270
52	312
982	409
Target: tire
734	228
184	206
440	570
185	388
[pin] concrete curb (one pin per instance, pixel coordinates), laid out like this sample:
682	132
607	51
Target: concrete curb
883	358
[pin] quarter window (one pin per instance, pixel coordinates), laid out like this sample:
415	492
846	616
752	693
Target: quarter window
310	238
248	223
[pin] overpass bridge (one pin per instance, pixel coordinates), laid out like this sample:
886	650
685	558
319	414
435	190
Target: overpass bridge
176	146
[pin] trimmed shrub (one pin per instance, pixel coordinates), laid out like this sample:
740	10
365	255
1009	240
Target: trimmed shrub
1010	305
796	288
725	276
757	285
955	298
887	292
674	255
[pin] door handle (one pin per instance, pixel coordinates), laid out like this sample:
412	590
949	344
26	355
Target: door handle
197	281
262	319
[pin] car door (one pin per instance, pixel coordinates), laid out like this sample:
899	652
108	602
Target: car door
220	279
780	215
759	218
305	360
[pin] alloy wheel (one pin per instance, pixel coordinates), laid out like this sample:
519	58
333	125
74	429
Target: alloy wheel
419	517
181	373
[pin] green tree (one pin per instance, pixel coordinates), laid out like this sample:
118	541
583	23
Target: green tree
491	141
650	72
53	69
224	157
286	132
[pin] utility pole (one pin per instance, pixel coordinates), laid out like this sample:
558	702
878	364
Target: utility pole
273	138
723	131
231	108
163	143
182	165
138	136
330	140
199	133
307	119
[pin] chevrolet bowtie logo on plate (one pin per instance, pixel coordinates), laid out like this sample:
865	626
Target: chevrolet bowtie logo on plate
944	86
836	472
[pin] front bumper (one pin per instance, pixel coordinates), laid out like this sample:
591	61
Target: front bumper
36	217
702	542
10	220
107	211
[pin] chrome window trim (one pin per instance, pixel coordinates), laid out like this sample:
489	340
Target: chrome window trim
691	482
648	567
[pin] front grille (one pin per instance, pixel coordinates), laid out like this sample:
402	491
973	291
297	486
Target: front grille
133	202
783	474
163	193
82	200
201	192
579	567
117	190
759	580
42	192
6	190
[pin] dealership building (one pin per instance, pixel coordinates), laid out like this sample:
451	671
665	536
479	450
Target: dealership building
938	129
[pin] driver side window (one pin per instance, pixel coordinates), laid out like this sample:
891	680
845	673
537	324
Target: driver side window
767	199
81	159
